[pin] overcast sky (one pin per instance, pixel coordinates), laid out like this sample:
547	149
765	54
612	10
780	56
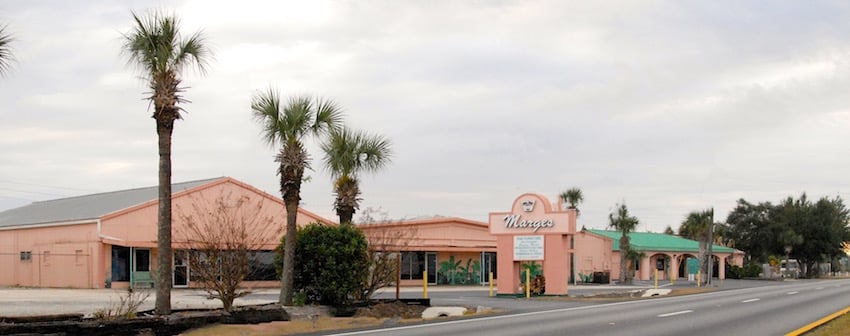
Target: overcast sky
670	106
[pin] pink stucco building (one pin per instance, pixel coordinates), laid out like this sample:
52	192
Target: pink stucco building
109	240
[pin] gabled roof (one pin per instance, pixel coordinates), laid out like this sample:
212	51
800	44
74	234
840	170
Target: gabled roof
648	241
87	207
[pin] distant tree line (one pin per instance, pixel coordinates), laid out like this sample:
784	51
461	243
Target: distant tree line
811	232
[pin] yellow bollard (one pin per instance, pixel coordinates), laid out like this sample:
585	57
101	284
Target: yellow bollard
699	281
656	278
527	284
491	284
425	284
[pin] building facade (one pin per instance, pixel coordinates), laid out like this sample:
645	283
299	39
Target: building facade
109	239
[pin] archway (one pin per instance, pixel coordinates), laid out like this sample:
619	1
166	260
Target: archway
665	261
684	264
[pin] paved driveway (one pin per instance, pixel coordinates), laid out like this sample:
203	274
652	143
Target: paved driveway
44	301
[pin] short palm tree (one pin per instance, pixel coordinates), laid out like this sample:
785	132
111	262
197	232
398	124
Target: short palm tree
5	50
573	197
161	53
695	227
625	223
288	126
347	154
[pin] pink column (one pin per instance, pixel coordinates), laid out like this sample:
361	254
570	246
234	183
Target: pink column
721	268
556	266
645	269
508	281
674	267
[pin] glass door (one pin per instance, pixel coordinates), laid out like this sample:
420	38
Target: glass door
488	264
141	275
431	263
181	268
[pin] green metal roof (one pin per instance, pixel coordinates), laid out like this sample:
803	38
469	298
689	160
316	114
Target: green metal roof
648	241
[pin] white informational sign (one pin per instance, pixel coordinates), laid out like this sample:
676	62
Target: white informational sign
528	248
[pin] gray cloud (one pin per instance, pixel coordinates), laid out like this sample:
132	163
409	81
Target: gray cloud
668	106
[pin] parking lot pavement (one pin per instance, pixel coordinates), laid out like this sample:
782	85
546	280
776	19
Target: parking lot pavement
49	301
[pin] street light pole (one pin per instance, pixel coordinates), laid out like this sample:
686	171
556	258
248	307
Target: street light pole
710	245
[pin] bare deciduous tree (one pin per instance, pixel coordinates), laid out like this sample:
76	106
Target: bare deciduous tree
222	236
385	244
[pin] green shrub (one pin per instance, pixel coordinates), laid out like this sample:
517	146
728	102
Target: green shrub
331	263
734	271
751	270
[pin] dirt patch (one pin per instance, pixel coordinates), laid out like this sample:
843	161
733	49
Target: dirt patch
391	310
287	328
307	319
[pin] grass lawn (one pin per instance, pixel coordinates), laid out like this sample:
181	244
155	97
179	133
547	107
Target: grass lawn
837	327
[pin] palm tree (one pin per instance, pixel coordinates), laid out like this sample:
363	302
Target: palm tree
572	196
161	53
287	126
696	227
348	153
624	223
5	51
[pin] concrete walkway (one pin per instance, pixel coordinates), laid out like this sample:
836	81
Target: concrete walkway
49	301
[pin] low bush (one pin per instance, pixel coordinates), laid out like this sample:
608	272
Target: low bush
331	263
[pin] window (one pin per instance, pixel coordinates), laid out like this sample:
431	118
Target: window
143	260
120	263
261	266
412	265
26	255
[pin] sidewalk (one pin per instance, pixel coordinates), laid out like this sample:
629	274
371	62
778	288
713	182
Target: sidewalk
49	301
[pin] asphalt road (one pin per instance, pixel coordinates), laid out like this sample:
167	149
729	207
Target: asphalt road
769	310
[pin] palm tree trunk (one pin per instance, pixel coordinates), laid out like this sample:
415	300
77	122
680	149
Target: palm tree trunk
345	217
624	258
287	280
163	278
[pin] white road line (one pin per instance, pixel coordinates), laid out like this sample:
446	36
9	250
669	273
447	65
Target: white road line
791	293
676	313
819	288
750	300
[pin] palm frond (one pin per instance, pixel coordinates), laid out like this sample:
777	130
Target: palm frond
297	118
622	221
266	110
154	46
328	117
5	51
349	152
193	50
376	152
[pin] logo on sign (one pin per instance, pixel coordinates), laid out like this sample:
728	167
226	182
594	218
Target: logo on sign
528	205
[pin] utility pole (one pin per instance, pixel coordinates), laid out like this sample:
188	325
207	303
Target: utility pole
710	242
